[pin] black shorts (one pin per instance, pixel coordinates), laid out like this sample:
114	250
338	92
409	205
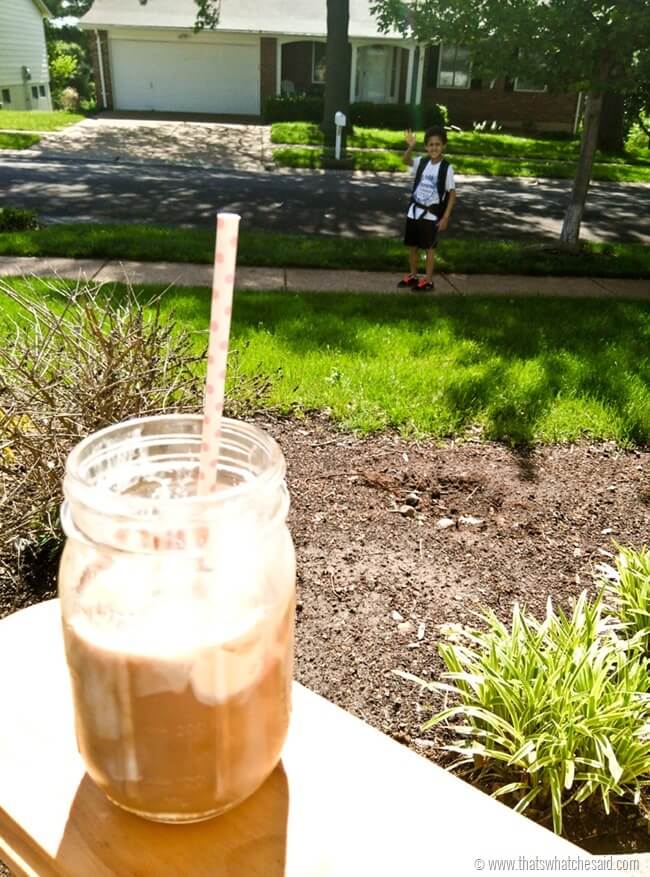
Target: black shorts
421	233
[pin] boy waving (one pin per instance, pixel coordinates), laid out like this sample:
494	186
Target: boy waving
432	200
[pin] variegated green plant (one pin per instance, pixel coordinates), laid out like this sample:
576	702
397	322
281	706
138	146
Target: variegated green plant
628	591
551	711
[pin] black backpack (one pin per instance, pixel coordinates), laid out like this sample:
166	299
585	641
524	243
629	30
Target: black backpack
441	183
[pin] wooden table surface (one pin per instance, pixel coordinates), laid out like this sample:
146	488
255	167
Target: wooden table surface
346	801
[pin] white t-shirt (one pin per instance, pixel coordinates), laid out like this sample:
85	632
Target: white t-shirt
427	190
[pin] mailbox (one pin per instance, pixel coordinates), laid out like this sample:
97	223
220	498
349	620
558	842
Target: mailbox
340	121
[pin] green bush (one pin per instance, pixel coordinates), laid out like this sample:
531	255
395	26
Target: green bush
17	219
70	67
63	69
629	590
551	712
637	137
293	108
396	117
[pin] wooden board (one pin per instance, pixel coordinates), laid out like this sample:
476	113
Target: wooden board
346	801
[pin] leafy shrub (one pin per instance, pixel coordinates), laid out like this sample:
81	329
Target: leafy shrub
63	69
629	591
98	361
486	127
69	62
552	712
293	108
17	219
69	99
303	108
397	117
637	137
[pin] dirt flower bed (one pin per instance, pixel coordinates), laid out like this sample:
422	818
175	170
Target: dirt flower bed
395	538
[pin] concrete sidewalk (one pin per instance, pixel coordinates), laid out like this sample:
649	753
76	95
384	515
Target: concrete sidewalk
316	280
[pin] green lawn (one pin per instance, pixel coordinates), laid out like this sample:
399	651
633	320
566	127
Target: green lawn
34	120
473	256
520	370
383	160
470	153
496	145
364	160
17	141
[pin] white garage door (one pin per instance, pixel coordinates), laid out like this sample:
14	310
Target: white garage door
185	78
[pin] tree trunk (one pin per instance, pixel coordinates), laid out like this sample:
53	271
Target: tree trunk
338	58
573	216
611	129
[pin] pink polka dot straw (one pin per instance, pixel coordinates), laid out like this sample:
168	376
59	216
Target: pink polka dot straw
223	279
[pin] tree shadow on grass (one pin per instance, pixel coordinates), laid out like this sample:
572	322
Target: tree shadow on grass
512	360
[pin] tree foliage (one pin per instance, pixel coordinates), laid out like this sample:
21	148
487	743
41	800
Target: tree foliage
594	46
207	14
69	63
574	45
63	68
72	8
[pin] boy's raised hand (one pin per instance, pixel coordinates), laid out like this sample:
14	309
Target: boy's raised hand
410	138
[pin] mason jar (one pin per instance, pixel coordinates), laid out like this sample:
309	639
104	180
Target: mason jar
178	614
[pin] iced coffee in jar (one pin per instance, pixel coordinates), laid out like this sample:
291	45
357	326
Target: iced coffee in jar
178	614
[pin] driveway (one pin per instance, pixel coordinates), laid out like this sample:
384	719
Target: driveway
214	145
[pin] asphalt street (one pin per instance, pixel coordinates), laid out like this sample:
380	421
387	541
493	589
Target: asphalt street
328	202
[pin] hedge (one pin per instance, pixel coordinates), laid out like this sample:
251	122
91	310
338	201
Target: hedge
17	219
366	115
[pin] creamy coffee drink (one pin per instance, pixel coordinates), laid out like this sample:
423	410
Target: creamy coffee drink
178	614
169	724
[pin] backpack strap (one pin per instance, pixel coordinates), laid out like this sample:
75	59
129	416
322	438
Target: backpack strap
441	183
422	163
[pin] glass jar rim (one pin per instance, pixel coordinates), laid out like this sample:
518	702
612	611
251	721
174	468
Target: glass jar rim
78	487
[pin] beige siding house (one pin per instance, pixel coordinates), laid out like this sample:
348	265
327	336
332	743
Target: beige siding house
24	77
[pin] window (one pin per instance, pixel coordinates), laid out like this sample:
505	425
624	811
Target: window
318	62
433	63
393	72
35	92
455	67
527	85
41	90
6	96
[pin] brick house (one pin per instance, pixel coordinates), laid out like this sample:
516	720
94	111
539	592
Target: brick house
148	58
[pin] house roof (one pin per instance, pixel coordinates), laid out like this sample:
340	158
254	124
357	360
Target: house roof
42	8
306	17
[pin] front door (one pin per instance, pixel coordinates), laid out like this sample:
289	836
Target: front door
374	73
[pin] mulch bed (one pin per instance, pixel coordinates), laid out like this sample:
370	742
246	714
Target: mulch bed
378	574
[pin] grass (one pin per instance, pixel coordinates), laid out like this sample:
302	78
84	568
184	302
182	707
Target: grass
471	153
33	120
383	160
510	146
156	243
517	369
364	160
17	141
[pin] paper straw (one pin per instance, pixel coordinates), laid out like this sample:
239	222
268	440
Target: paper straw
223	279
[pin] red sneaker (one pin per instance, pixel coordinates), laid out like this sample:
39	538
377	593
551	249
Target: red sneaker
408	280
424	285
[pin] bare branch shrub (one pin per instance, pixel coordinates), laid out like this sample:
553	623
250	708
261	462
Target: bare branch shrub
68	372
